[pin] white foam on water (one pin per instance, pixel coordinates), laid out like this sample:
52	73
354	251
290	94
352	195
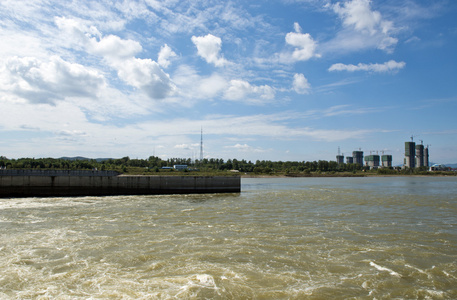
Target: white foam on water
434	294
159	248
380	268
206	280
418	270
190	286
449	275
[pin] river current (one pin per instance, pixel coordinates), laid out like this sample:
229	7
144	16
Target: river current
280	238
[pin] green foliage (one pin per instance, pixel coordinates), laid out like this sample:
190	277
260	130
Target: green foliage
154	163
206	166
386	171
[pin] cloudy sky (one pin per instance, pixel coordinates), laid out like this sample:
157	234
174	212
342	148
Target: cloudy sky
274	80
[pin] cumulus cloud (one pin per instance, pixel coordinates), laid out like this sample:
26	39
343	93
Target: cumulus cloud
208	47
301	84
363	27
212	86
305	46
143	74
146	75
194	86
71	133
186	146
245	148
48	81
164	56
243	90
391	65
113	47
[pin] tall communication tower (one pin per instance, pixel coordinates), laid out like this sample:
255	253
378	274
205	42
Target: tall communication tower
201	145
339	157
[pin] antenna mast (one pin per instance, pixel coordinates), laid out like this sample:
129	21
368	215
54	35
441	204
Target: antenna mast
201	145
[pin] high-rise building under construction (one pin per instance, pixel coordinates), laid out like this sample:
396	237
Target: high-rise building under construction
386	161
372	161
340	159
410	151
358	157
426	163
420	158
416	156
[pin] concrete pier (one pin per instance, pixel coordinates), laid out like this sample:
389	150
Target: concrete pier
69	184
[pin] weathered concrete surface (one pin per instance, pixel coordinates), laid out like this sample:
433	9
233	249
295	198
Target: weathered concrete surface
45	186
39	172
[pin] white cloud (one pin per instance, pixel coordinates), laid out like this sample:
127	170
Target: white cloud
22	44
358	13
363	27
208	47
59	128
71	133
194	86
75	33
183	146
379	68
48	81
245	148
113	47
301	84
243	90
212	86
305	46
144	74
164	56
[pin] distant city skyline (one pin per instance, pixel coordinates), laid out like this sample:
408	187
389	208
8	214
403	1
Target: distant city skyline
283	80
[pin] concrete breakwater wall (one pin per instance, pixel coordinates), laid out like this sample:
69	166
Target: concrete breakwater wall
67	185
38	172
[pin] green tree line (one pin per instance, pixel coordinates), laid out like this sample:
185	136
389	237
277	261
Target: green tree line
209	165
155	163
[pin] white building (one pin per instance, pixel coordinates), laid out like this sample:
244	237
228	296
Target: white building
180	167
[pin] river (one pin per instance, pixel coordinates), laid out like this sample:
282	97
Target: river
280	238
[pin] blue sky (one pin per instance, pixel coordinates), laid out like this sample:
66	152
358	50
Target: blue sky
273	80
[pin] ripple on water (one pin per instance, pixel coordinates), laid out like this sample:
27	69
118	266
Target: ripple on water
298	239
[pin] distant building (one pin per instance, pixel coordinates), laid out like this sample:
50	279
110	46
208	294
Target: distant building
340	159
416	156
420	158
426	163
410	151
437	167
349	160
372	161
358	157
180	167
386	161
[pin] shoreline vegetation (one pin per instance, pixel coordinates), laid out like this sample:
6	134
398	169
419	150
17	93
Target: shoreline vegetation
215	167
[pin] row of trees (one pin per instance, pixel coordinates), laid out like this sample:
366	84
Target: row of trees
156	163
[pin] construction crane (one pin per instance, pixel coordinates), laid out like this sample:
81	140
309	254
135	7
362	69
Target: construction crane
413	136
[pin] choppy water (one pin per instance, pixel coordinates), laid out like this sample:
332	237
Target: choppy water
294	238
